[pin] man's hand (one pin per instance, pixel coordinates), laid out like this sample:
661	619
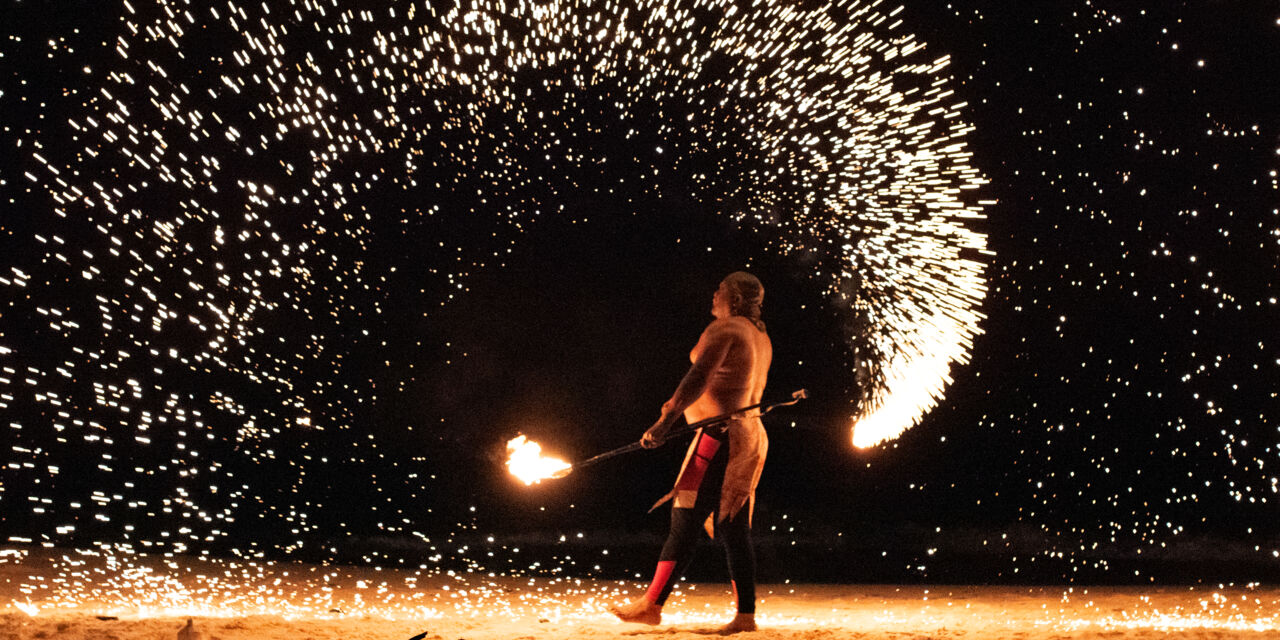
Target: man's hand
657	434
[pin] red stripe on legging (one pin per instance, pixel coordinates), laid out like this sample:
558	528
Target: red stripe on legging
660	577
691	479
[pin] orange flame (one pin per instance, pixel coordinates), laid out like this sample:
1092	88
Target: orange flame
527	463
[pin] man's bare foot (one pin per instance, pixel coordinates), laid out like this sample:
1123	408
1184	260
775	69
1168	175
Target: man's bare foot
640	610
741	622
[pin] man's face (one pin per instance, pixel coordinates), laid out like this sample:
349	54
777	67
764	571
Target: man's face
721	302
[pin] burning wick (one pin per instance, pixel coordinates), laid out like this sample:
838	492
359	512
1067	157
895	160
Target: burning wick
527	463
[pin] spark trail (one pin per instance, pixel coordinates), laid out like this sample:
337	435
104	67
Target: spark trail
208	224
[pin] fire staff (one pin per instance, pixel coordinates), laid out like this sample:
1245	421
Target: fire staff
716	485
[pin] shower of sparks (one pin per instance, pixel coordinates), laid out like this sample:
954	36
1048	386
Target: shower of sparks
256	597
207	216
223	214
526	462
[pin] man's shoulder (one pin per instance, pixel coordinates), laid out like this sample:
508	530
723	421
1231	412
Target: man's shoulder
733	326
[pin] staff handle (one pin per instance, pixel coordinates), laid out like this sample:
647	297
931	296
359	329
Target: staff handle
690	428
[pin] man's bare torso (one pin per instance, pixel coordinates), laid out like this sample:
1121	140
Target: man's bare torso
740	379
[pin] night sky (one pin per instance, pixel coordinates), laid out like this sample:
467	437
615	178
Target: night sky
280	280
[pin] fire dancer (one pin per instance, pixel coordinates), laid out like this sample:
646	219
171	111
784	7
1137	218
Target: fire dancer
718	480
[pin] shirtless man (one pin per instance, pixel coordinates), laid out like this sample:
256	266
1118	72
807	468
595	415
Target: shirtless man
722	468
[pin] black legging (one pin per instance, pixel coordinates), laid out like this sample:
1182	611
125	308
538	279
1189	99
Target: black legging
686	526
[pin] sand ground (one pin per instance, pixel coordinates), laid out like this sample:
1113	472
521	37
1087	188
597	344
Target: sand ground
106	597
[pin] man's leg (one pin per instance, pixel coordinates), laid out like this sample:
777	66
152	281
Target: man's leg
677	552
702	478
735	535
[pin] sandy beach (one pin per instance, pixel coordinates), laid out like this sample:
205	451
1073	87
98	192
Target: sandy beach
129	598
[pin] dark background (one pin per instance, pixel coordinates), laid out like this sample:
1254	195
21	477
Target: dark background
1078	445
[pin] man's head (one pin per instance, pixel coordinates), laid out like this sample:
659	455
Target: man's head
740	294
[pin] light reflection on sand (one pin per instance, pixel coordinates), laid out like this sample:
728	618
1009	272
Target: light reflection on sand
46	593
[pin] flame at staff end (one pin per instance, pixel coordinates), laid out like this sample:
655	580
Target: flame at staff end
527	463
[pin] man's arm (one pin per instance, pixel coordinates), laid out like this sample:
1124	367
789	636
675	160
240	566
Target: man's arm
712	349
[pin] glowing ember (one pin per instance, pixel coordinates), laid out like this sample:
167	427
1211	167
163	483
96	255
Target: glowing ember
527	463
140	593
